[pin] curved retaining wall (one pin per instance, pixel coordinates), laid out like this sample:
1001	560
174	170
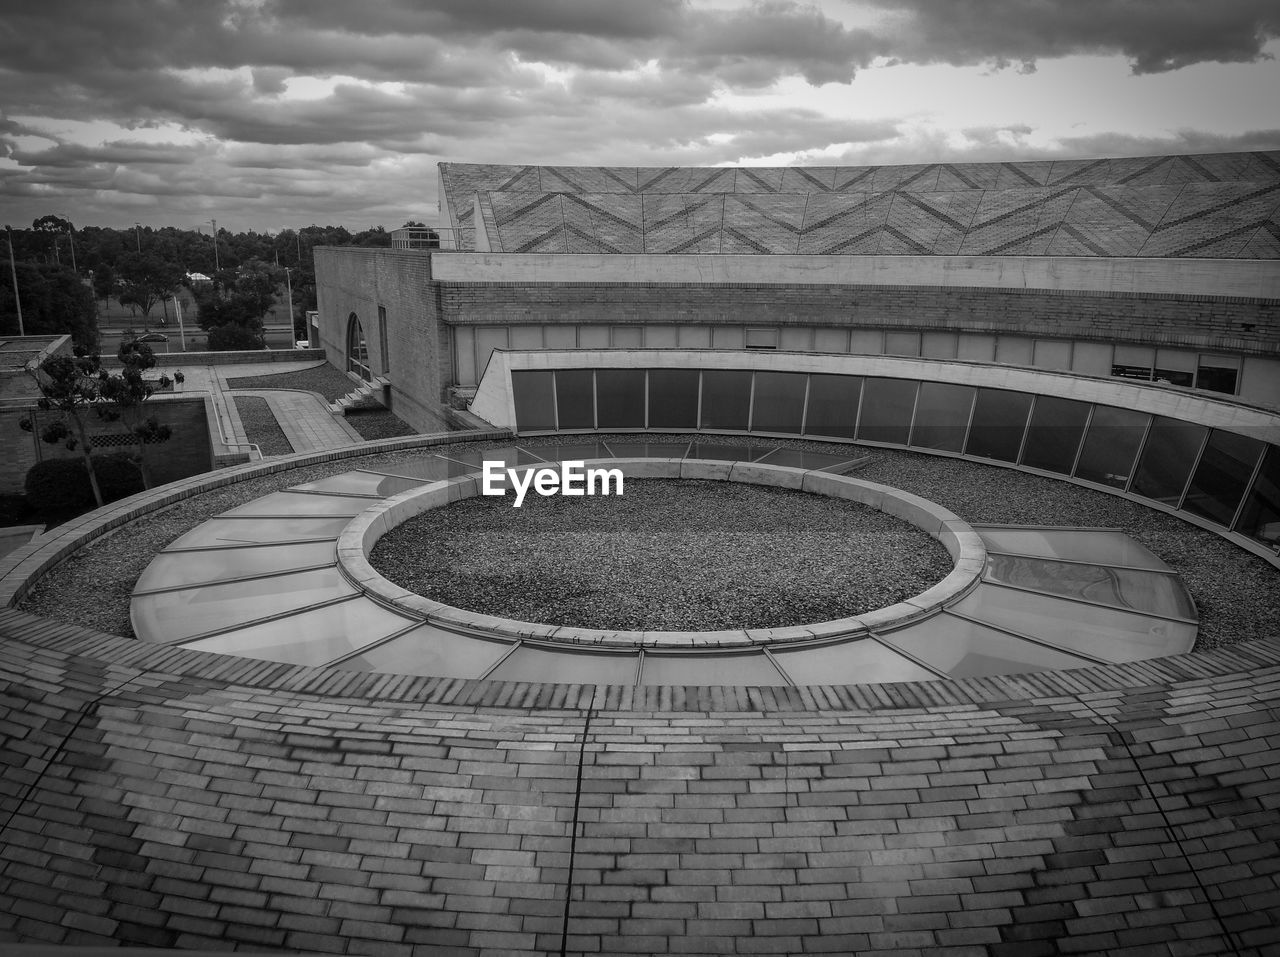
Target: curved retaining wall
161	797
963	544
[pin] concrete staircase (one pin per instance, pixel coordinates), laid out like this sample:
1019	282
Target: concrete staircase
367	395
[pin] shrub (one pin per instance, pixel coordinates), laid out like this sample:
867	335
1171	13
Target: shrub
59	486
118	476
233	338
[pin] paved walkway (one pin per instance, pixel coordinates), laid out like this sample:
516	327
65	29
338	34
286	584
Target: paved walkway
303	416
305	419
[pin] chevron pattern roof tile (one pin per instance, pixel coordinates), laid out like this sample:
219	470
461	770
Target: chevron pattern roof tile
1213	205
1265	243
809	179
758	180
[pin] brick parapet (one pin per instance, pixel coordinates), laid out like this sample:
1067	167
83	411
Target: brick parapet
1231	323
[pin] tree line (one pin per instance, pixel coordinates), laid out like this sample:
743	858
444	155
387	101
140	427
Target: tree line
62	272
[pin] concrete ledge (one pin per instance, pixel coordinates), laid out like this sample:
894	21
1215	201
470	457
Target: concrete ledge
965	546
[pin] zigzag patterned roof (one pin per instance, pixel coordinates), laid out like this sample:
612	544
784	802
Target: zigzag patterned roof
1222	206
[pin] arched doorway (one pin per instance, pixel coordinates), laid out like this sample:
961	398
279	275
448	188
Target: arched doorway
357	349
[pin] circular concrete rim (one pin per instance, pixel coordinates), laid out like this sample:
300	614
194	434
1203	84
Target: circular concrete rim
965	546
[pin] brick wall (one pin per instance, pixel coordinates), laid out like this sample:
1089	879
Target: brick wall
1215	322
186	453
418	347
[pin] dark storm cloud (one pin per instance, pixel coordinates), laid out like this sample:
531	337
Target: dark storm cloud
1155	35
75	155
406	83
619	19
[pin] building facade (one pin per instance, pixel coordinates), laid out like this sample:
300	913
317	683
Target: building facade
1146	289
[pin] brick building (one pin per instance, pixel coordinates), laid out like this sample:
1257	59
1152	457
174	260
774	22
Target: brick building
1152	281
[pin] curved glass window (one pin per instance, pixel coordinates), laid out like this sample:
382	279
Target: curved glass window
673	398
887	405
726	399
942	416
999	419
1054	436
833	405
357	349
533	392
1111	445
1167	458
778	405
620	398
576	398
1222	476
1260	517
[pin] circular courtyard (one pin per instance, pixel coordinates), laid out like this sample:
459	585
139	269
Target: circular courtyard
667	555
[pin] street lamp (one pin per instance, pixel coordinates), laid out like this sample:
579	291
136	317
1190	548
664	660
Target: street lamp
217	263
13	272
293	333
71	241
137	234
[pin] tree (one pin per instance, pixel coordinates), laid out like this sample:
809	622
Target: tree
54	301
124	394
230	337
377	236
232	312
54	226
72	386
146	279
69	388
104	282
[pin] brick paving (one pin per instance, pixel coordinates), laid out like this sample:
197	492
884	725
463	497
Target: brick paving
159	797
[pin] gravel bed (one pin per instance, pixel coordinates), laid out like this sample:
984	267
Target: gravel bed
261	426
1238	594
333	385
379	424
665	556
323	378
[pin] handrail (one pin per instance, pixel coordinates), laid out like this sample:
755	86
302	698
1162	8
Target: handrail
215	396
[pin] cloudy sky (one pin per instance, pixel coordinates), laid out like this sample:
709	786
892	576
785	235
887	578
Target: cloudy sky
266	114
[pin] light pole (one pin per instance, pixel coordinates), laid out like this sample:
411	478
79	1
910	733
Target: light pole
71	241
13	271
182	332
137	234
217	263
293	334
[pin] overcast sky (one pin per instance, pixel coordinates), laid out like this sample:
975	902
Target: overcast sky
267	114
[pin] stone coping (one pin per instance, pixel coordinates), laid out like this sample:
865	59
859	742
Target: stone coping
965	546
44	644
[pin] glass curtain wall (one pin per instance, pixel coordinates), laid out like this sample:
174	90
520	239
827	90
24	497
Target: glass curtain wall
1225	478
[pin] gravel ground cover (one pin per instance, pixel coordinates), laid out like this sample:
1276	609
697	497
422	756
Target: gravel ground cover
323	378
665	556
379	424
333	385
261	426
1238	594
